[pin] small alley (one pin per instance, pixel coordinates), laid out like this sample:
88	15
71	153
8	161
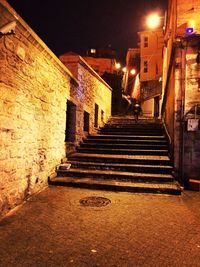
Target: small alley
99	162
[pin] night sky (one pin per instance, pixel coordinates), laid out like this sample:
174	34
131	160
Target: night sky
77	25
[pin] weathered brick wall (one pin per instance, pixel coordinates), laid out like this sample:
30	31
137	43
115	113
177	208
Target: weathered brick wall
34	87
192	98
188	12
92	89
183	88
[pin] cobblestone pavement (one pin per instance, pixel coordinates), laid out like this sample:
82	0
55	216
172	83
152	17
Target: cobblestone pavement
54	229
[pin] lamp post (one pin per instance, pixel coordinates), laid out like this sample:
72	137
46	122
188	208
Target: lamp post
152	44
128	72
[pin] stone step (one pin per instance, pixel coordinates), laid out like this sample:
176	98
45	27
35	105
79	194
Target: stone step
123	151
130	132
122	156
131	119
117	175
130	127
123	146
125	141
113	185
120	167
121	159
126	136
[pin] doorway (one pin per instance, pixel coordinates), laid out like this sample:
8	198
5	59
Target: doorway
70	132
156	106
86	122
96	115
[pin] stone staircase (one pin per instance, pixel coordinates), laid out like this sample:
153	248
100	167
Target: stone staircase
122	156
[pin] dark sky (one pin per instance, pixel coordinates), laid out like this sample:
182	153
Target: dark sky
75	25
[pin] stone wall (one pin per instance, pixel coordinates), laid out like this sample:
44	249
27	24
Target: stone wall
182	91
92	90
34	88
192	99
40	103
188	14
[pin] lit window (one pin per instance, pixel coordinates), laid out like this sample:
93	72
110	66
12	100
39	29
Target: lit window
145	66
93	51
146	41
117	65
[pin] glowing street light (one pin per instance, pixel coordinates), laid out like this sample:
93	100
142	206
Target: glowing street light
153	21
124	69
133	71
117	65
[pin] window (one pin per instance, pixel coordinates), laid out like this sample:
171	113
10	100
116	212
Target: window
86	122
145	66
102	116
93	51
70	131
96	113
146	41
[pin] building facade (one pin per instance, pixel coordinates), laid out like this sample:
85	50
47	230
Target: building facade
105	63
151	63
102	60
181	87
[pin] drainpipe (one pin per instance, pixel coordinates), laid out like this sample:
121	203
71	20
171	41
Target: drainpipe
182	117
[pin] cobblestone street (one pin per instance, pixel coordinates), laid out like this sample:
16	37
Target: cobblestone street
54	229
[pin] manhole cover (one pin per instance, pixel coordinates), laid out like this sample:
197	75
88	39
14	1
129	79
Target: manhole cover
95	201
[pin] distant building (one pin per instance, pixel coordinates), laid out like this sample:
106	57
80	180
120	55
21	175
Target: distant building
151	64
102	59
132	69
102	52
105	62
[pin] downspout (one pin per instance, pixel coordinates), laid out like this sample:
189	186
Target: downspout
167	81
182	117
166	89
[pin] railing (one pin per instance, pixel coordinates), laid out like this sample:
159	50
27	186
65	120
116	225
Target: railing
150	89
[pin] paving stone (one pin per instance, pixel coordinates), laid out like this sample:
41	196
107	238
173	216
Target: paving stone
54	229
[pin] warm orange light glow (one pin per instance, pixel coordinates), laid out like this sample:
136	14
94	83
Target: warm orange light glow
93	51
133	71
118	66
124	69
191	24
153	21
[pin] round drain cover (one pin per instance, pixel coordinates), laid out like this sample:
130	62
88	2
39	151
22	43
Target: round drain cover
95	201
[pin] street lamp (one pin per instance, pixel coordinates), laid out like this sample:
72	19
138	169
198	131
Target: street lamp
133	71
117	65
124	69
127	74
153	21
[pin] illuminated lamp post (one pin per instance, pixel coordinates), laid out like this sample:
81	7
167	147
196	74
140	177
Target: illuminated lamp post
117	67
153	21
128	73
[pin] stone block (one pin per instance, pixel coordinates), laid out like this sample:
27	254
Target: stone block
194	185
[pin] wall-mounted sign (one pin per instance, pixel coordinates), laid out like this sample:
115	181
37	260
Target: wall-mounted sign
192	124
